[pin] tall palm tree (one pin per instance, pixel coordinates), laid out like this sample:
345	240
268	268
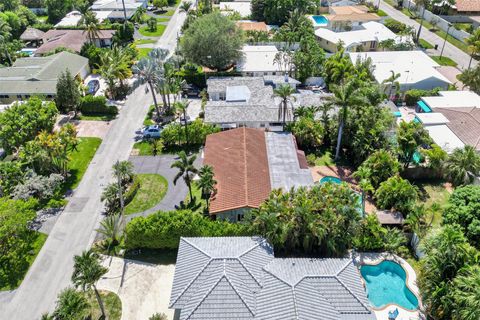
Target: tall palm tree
424	4
392	82
345	96
92	27
185	6
159	56
207	182
285	92
463	165
185	170
110	227
71	304
473	45
113	66
148	71
123	171
87	270
182	107
138	16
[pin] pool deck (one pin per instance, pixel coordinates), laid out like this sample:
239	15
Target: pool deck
371	258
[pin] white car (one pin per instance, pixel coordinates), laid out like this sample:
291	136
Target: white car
151	132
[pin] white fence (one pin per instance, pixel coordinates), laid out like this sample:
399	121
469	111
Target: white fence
441	23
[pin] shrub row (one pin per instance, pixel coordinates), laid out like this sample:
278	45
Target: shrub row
96	105
132	190
414	95
163	230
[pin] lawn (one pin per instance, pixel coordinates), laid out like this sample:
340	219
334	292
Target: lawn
433	192
163	19
37	245
112	303
444	61
425	44
98	117
147	33
199	205
152	190
148	118
382	13
80	159
143	41
143	52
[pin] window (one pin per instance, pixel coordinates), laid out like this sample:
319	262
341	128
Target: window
373	44
239	216
222	96
262	125
19	96
4	96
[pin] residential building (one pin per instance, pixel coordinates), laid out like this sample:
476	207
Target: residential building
72	18
416	69
239	278
338	3
73	40
364	38
246	101
467	7
345	18
452	119
131	6
37	76
248	164
260	60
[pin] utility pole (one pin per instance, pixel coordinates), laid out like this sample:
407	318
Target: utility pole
445	41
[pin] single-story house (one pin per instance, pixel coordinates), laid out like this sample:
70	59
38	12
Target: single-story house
37	76
117	5
364	38
467	7
72	18
260	61
417	70
341	18
73	40
248	164
338	3
239	278
452	119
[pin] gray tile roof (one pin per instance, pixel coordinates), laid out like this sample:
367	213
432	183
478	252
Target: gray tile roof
238	278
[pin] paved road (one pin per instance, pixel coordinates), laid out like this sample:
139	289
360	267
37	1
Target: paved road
172	32
460	57
75	228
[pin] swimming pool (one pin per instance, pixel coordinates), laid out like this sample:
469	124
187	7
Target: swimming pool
386	284
331	179
336	180
320	20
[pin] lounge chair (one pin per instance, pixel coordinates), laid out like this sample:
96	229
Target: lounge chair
392	315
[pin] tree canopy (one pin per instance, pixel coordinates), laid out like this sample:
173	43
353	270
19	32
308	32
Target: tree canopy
213	41
471	78
277	11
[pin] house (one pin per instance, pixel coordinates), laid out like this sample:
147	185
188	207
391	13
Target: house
416	69
364	38
116	7
346	18
246	101
468	7
248	164
37	76
239	278
452	119
260	61
72	18
339	3
73	40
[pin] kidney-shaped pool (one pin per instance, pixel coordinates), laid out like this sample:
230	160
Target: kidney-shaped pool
386	284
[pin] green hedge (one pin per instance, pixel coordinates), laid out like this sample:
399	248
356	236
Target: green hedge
96	105
414	95
163	230
132	190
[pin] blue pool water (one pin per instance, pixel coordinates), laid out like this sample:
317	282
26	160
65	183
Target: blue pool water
386	284
320	20
331	179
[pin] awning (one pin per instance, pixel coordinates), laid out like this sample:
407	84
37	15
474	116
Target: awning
424	106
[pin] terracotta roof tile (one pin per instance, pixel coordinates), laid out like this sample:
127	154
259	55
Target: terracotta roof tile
240	164
465	123
70	39
468	5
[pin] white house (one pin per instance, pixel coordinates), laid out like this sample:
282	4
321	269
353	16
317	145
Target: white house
416	69
260	61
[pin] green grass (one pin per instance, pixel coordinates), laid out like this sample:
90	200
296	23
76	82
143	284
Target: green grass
325	159
444	61
112	303
144	148
169	13
143	52
42	18
80	159
463	26
163	19
433	192
97	117
382	13
152	190
199	205
37	245
147	33
144	41
148	118
425	44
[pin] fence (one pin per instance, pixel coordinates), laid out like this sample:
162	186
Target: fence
441	23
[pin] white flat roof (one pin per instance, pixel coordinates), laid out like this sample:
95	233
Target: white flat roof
432	118
372	31
453	99
258	58
71	19
413	66
444	137
117	4
244	8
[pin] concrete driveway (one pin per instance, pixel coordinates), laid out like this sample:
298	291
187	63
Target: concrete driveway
143	288
161	165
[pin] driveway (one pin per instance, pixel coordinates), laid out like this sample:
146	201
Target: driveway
91	128
143	288
457	55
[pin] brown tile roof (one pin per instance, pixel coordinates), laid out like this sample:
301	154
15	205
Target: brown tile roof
252	26
32	34
465	123
240	164
348	9
468	5
351	13
70	39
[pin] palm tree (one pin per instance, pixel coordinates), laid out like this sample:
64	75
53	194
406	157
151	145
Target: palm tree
92	27
87	270
466	293
148	71
284	91
159	57
110	227
114	65
473	45
207	182
71	305
185	170
186	6
138	16
182	107
463	165
424	4
345	96
392	81
123	171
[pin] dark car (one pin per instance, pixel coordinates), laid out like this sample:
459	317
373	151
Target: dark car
93	86
191	90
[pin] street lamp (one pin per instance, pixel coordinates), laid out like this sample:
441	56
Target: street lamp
444	41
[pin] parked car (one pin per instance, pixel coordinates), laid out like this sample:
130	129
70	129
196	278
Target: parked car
93	86
151	8
151	132
191	90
